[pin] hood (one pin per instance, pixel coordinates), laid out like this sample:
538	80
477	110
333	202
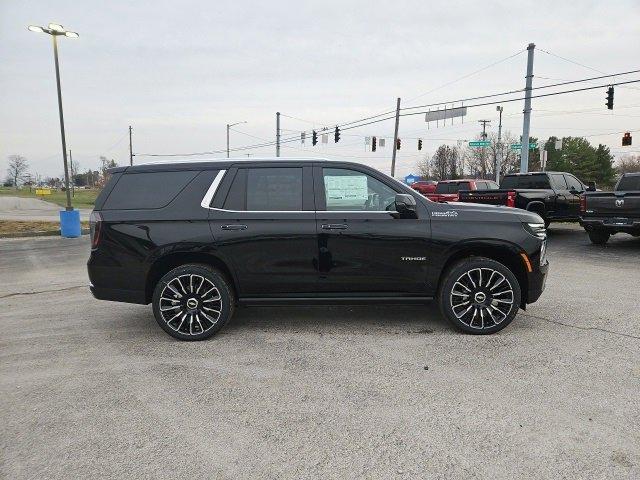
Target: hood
492	212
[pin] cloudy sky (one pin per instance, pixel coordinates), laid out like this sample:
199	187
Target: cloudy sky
178	72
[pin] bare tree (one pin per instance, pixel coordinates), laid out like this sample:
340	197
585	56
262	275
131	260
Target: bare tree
423	166
628	164
18	167
445	163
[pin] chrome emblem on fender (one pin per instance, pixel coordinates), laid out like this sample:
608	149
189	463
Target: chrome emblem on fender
620	202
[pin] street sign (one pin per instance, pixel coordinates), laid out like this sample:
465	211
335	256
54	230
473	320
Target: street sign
518	146
438	115
480	143
411	178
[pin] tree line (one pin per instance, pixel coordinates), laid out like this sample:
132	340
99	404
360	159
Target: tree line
18	173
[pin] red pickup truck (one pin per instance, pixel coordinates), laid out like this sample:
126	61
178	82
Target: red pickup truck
447	190
424	187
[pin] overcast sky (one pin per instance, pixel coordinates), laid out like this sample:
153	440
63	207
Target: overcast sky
178	72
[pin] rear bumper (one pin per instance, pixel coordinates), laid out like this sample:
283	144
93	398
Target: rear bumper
537	282
610	224
117	295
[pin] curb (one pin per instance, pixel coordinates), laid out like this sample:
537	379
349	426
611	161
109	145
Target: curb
52	233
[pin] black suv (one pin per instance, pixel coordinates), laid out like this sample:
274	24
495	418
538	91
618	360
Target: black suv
196	239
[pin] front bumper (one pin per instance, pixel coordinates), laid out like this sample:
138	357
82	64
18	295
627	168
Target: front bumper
537	282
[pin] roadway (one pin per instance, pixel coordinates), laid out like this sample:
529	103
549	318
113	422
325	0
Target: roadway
97	388
26	209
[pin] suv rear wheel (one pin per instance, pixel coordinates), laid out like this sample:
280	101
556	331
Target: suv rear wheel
192	302
479	295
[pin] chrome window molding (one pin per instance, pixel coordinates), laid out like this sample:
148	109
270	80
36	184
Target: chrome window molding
208	197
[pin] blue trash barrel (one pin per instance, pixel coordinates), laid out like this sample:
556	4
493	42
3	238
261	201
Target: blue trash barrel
70	223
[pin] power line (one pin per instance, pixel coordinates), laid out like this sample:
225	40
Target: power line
467	75
361	123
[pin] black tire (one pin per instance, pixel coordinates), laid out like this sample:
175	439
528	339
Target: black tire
186	305
490	306
598	237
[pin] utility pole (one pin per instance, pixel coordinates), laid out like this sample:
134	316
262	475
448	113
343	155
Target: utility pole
484	137
277	134
526	122
395	140
499	146
484	128
73	188
130	147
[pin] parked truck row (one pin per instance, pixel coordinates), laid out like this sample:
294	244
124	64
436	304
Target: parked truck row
555	196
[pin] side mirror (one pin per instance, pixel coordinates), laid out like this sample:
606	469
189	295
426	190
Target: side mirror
406	205
591	186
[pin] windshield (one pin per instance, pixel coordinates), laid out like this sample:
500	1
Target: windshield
538	181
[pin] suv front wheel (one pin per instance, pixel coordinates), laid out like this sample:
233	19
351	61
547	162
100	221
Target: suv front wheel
192	302
479	295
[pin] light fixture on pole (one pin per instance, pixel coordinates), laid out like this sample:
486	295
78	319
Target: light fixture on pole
228	127
68	222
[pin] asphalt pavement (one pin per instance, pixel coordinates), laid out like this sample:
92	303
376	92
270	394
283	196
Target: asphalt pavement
97	389
23	208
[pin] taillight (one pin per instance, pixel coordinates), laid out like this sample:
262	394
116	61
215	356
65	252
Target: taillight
583	203
95	226
511	199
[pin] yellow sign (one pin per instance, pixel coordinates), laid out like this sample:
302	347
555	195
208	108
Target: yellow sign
43	191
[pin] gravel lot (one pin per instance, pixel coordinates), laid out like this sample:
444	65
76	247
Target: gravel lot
97	389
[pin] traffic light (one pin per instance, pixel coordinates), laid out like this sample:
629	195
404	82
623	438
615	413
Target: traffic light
336	135
610	98
314	138
419	144
626	139
398	144
374	142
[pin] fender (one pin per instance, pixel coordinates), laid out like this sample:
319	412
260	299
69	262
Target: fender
496	248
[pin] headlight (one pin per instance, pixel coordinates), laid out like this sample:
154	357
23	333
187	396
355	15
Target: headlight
536	229
543	252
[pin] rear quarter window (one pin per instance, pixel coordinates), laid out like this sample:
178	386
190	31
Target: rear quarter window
148	190
629	183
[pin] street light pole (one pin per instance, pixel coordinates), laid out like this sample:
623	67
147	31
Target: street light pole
55	30
228	128
64	141
499	153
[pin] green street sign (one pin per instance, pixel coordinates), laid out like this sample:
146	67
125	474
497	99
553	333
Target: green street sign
518	146
480	143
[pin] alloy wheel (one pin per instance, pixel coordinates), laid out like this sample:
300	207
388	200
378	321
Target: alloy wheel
481	298
190	304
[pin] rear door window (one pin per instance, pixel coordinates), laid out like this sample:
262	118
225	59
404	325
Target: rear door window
481	186
274	189
538	181
148	190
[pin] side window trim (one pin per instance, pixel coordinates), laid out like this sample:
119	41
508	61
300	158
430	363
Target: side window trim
208	197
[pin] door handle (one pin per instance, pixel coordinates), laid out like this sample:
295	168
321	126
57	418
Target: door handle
334	226
234	226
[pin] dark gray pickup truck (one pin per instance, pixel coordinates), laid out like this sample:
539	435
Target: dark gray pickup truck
605	213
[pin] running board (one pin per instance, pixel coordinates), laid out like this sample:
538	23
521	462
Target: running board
278	301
